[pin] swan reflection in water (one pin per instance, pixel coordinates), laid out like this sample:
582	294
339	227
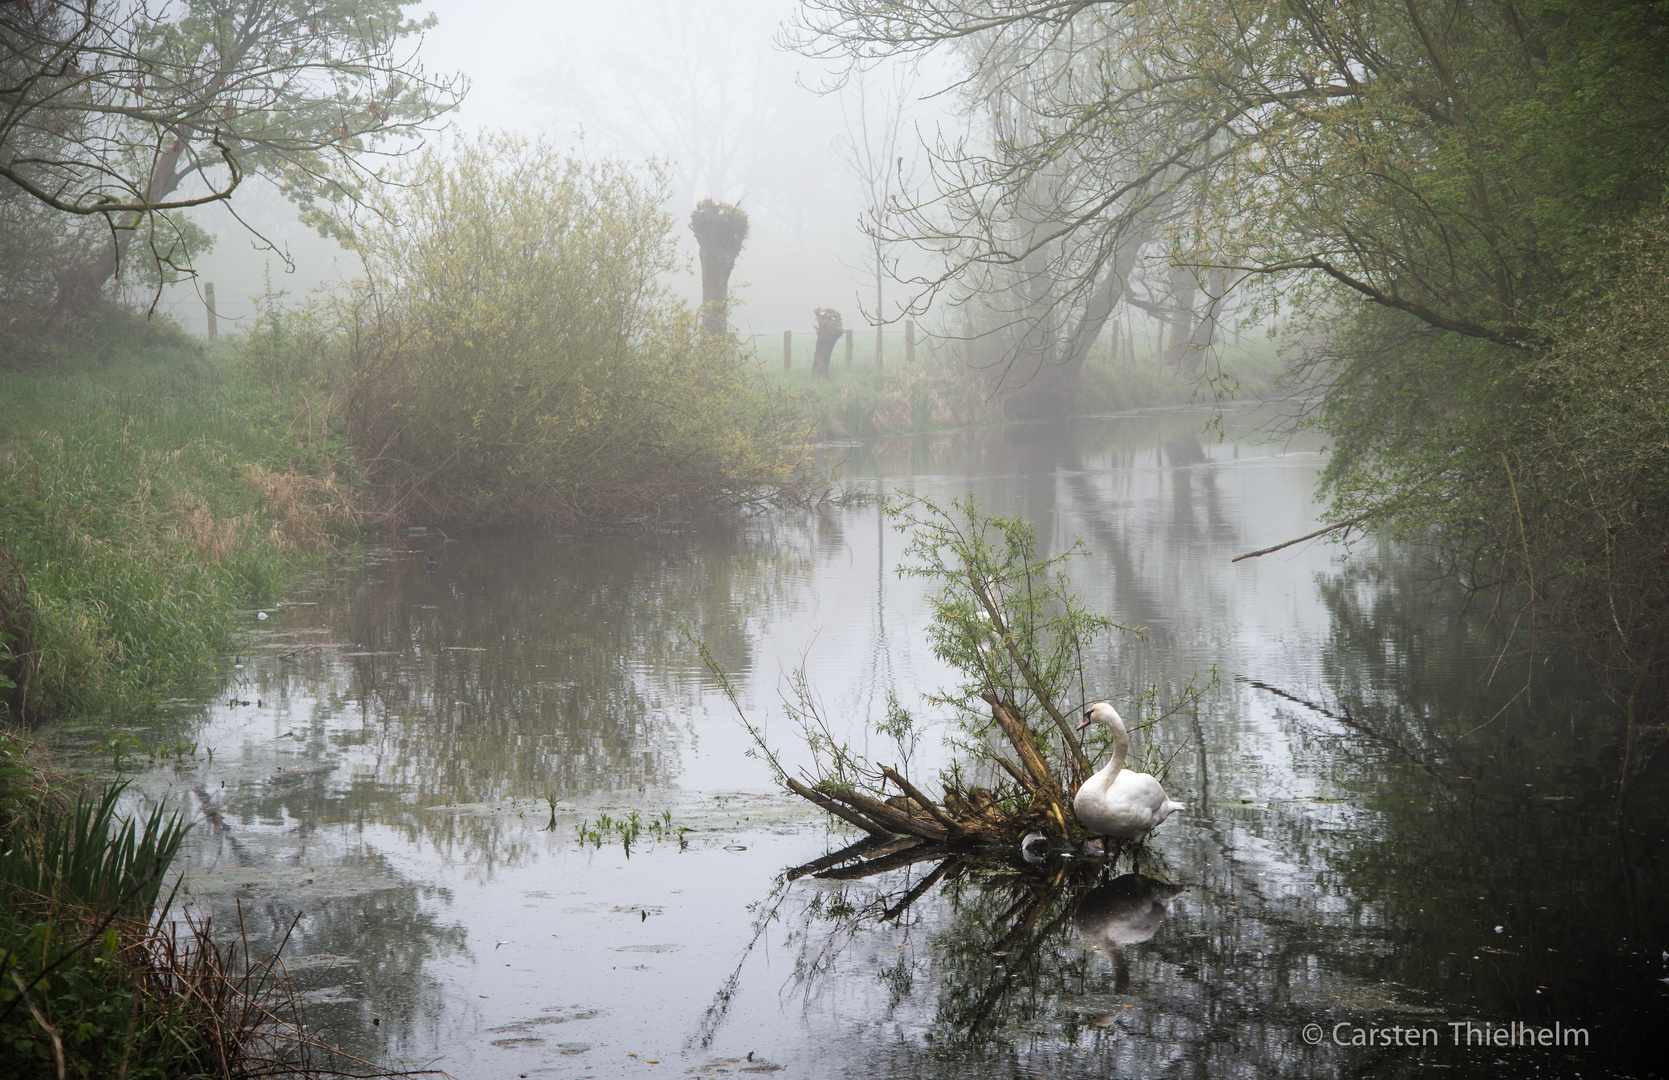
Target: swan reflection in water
1124	911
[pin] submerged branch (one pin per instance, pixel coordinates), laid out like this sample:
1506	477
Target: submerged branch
882	864
870	847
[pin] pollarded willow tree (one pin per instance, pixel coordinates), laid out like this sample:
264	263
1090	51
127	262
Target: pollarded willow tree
1425	184
116	117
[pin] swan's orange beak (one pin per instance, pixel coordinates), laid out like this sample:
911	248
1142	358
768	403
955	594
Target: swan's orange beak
1084	723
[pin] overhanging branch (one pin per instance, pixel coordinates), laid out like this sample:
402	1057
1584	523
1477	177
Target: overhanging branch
1512	337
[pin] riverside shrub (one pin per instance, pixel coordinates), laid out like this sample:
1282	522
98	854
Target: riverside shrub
514	358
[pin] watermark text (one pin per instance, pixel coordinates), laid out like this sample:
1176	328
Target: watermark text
1480	1033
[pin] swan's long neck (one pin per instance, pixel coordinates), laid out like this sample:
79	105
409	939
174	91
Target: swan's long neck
1121	747
1121	750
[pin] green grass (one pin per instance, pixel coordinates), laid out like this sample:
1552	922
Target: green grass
937	391
137	496
1153	380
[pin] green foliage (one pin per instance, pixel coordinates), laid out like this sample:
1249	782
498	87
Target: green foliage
1457	203
512	357
1004	616
147	494
93	859
98	976
79	885
114	118
900	725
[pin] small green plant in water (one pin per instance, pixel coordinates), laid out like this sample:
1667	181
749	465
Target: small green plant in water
629	829
119	746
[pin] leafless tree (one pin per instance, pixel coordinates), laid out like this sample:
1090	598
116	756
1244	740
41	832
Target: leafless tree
874	147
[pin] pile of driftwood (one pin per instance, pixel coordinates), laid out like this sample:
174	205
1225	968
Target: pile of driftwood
1032	799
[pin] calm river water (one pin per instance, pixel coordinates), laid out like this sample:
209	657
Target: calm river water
405	759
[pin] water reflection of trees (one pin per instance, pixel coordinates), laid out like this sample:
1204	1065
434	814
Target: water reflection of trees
1495	812
1001	968
378	941
400	710
531	665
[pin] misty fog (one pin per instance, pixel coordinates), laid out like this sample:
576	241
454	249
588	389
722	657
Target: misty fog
703	87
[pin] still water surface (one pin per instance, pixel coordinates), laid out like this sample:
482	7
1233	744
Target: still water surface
404	759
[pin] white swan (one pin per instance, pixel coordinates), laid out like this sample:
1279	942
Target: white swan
1116	802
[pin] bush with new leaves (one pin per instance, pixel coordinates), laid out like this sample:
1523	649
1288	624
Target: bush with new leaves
513	356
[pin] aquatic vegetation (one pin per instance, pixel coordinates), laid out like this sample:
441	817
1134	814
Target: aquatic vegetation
100	977
629	829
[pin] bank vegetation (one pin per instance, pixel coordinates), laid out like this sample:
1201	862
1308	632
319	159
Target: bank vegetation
511	353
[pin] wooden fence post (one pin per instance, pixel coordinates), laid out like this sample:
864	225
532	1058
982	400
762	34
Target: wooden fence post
909	341
849	348
208	303
787	349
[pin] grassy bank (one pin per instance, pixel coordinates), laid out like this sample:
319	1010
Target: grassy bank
149	489
940	390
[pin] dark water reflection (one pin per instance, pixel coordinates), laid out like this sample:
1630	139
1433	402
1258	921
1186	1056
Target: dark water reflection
1371	839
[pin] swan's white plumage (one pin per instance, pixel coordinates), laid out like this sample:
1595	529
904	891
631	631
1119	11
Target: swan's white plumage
1115	801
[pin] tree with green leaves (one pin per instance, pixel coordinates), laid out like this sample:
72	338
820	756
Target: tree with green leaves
512	354
122	116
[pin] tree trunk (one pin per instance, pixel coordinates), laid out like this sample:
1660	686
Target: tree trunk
81	287
1184	290
1057	390
828	333
720	229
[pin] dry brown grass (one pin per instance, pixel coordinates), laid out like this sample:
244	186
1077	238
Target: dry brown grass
242	1010
308	512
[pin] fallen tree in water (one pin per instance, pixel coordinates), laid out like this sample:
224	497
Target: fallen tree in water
1005	617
